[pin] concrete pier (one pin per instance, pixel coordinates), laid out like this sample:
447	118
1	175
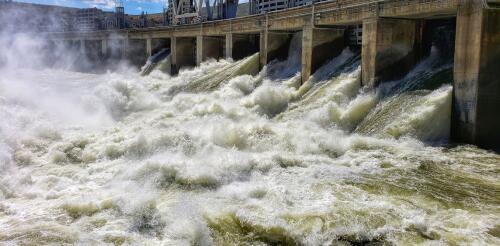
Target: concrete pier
228	53
476	115
82	46
199	49
104	48
387	44
318	46
149	49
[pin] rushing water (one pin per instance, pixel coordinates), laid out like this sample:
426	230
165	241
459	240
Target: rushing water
217	157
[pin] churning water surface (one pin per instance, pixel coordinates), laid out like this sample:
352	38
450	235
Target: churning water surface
216	157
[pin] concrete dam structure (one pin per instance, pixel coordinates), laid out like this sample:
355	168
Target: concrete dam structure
395	36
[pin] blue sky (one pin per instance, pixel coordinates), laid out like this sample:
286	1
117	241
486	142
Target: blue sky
131	6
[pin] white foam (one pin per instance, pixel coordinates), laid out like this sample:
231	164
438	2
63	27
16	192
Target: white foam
164	160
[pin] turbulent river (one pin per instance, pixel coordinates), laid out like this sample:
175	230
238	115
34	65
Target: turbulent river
217	157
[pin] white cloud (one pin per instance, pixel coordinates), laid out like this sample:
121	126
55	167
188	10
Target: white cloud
105	4
146	1
110	4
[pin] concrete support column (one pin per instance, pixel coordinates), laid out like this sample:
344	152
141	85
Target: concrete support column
229	46
173	56
262	49
149	50
82	46
318	46
307	50
476	117
388	49
199	50
125	48
104	48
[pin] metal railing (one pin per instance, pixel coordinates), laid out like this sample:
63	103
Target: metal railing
491	4
340	8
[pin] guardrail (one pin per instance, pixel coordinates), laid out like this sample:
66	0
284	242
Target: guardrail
375	8
324	13
491	4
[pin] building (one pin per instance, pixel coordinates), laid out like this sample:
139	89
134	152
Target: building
182	12
89	19
120	15
263	6
20	16
35	17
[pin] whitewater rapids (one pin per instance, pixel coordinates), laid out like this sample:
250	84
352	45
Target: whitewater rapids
218	157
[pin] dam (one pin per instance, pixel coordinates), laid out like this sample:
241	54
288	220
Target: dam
394	33
342	122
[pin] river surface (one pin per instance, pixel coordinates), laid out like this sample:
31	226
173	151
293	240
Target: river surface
216	157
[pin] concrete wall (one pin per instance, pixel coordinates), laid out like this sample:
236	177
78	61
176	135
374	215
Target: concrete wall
209	47
262	49
93	50
183	53
104	49
239	46
274	45
387	43
318	46
440	33
158	44
115	49
72	45
136	51
476	115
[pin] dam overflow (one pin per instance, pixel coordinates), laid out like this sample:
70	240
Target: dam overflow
395	35
327	124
